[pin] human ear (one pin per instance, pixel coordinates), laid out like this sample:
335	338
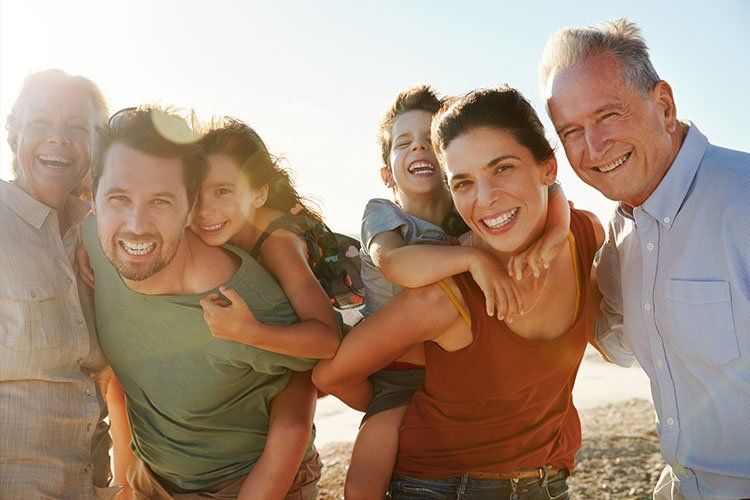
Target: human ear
387	176
664	98
550	171
260	196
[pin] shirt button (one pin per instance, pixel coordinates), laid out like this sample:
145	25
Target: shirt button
89	392
660	364
89	427
670	421
647	306
89	468
33	295
79	361
650	246
68	281
666	219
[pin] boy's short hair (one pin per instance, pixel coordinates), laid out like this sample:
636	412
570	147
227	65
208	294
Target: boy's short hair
420	97
156	131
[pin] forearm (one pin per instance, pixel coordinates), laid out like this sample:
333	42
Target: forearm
309	339
355	392
420	265
289	428
120	432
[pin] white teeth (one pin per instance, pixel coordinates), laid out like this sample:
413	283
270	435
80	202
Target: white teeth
57	161
502	220
215	227
613	165
137	248
421	168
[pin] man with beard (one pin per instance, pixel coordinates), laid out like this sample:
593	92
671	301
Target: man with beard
198	407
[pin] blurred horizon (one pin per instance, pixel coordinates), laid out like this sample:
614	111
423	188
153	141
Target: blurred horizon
314	78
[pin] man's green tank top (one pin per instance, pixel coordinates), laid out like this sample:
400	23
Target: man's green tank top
198	406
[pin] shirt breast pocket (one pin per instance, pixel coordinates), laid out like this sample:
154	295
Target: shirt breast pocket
701	321
29	317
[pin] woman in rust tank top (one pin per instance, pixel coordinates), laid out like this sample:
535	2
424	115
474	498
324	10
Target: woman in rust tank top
495	417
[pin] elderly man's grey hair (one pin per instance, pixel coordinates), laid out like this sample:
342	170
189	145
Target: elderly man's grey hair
620	38
101	111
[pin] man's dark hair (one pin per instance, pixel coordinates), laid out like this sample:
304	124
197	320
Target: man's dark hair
155	131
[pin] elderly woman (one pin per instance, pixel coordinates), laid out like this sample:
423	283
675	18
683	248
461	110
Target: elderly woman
495	416
53	440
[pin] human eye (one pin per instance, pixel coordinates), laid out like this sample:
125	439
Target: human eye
161	202
499	169
571	134
120	198
458	185
222	191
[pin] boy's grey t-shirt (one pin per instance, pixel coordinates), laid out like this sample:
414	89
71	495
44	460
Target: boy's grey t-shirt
380	216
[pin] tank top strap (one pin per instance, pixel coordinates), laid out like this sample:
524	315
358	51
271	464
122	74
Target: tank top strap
455	301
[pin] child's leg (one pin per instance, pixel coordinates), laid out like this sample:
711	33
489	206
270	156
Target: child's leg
289	428
374	455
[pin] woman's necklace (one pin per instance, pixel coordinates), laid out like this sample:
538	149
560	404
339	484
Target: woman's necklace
541	291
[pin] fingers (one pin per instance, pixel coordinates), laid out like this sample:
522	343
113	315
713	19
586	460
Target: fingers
208	303
229	293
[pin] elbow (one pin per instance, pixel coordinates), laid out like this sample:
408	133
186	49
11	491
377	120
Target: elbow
325	378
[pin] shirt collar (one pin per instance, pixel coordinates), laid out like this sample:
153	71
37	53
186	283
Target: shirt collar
666	200
34	211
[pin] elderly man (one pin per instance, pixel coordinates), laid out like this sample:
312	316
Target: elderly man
675	270
53	437
198	407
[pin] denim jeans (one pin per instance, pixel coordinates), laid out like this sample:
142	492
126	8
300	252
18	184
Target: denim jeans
467	488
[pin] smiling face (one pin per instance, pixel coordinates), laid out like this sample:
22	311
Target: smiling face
617	141
414	169
53	141
142	211
226	203
498	187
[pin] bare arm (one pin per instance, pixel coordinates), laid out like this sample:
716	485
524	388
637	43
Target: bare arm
120	431
289	428
385	336
413	266
316	335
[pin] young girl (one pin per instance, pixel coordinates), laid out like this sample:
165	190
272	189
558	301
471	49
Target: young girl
393	257
248	201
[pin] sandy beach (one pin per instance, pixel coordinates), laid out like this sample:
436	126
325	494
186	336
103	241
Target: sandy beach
619	457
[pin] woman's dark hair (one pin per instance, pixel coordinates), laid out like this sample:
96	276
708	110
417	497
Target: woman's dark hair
503	108
240	142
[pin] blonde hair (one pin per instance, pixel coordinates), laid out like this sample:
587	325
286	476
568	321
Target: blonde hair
620	38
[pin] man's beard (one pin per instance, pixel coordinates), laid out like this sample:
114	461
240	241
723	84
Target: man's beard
162	254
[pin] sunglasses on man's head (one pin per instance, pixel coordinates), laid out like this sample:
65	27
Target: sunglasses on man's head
123	114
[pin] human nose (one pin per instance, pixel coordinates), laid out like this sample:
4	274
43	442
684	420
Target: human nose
205	207
58	134
597	143
486	195
419	145
138	220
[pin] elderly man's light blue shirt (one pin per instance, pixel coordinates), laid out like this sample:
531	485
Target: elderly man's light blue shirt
678	271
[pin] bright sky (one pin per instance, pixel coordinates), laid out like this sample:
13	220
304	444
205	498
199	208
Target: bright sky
314	78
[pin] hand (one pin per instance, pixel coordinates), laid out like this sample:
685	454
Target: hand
84	266
501	294
228	320
539	255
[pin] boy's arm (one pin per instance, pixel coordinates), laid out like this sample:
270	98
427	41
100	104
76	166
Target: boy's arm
289	428
413	266
120	431
548	246
317	334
